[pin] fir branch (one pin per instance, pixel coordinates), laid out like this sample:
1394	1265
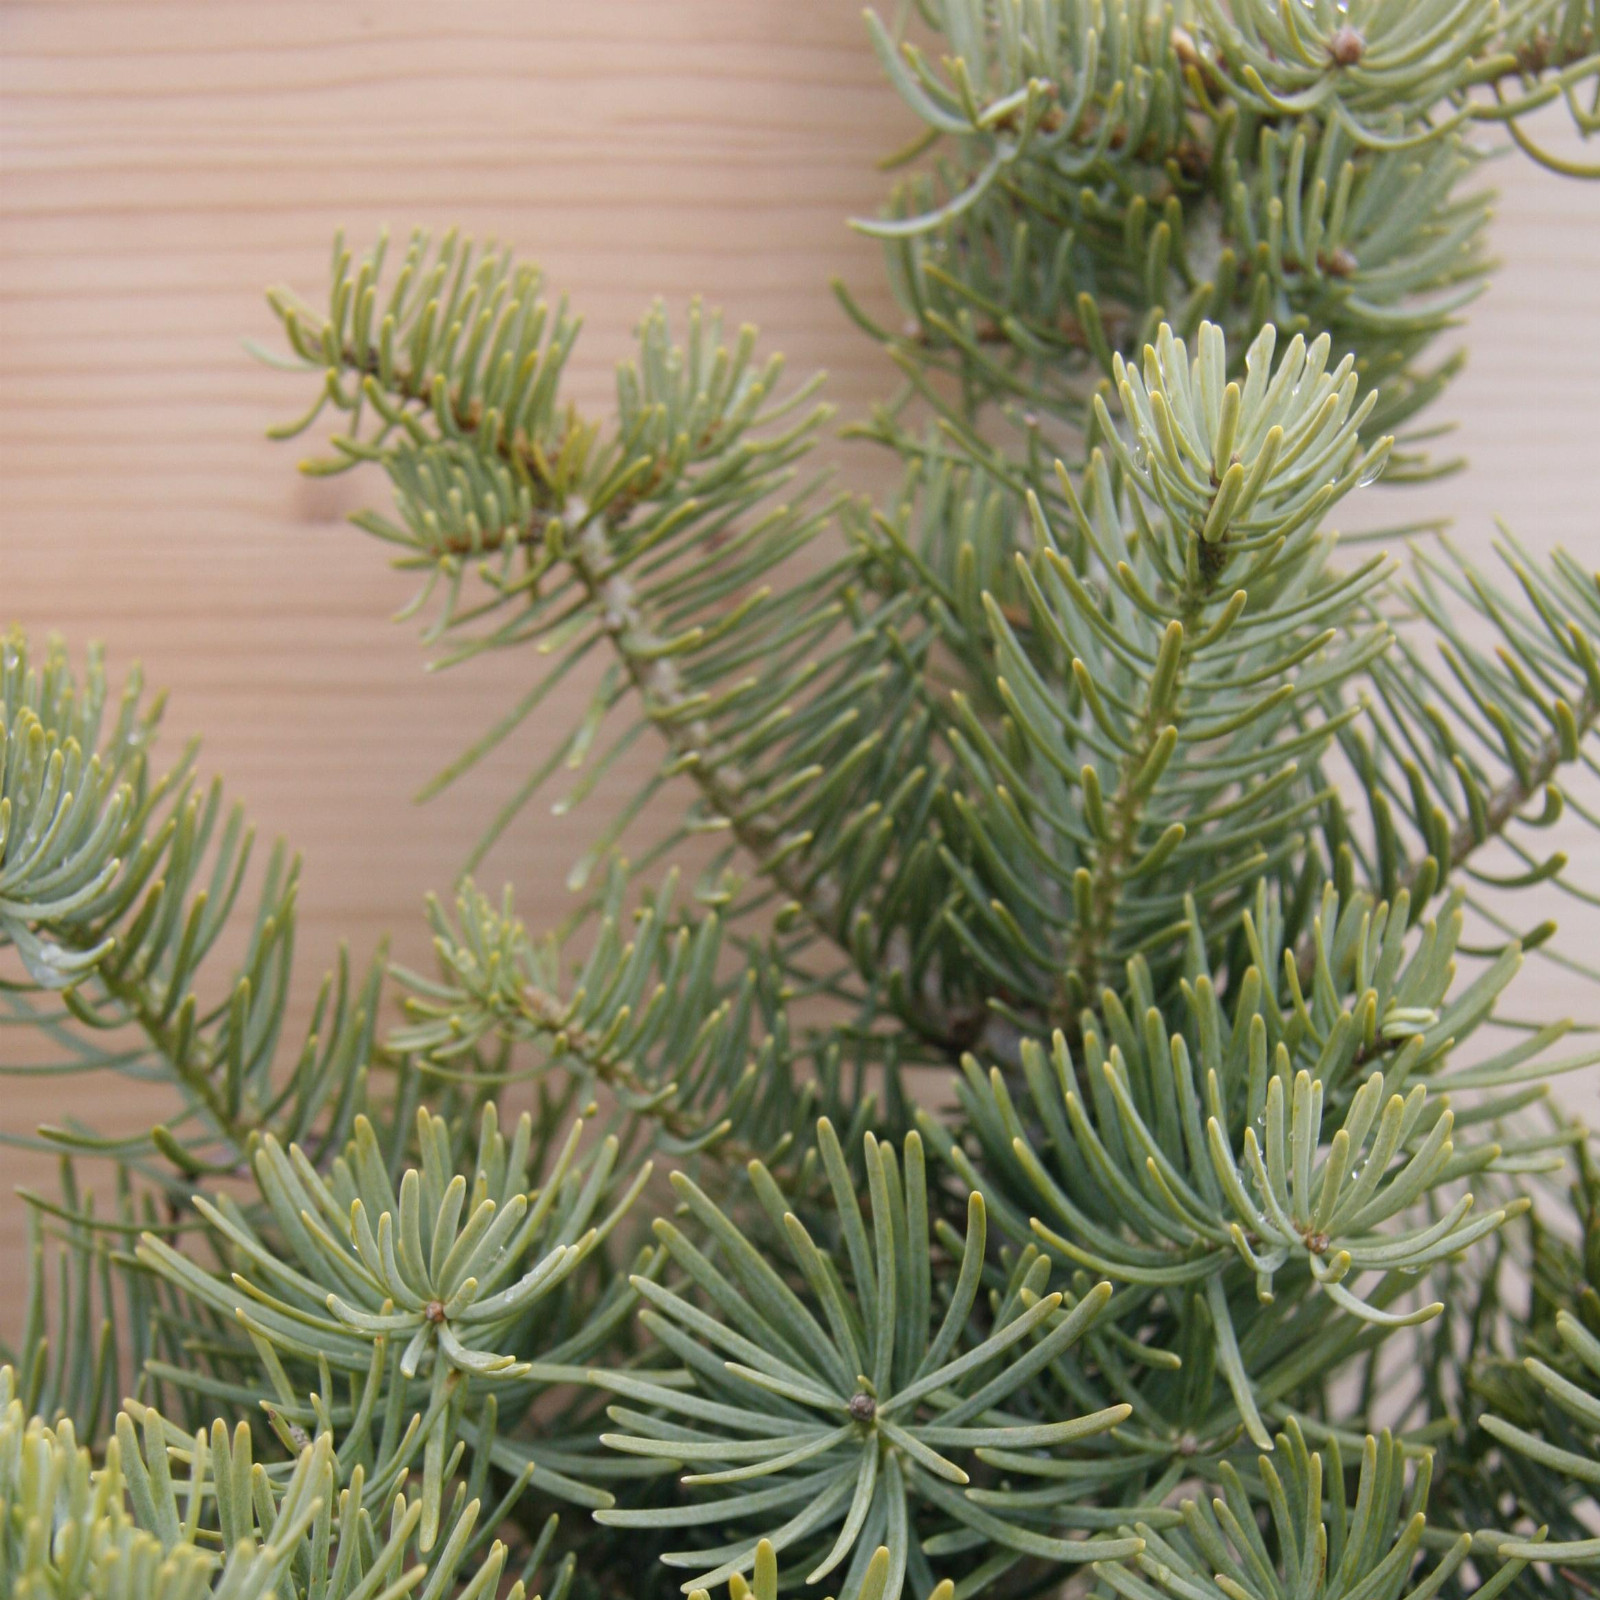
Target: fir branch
849	1406
115	888
696	1059
1125	1160
1321	1541
1162	701
777	706
130	1527
1051	765
1504	804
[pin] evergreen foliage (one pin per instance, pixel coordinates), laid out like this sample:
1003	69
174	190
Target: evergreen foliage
1232	1248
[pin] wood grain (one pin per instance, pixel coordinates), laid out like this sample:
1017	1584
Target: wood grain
162	163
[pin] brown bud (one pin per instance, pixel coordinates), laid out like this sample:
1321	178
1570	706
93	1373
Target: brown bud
434	1311
863	1407
1346	47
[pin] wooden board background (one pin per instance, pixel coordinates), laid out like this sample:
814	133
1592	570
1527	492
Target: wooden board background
162	163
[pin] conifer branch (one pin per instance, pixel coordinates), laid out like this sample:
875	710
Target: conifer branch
1087	761
1504	803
